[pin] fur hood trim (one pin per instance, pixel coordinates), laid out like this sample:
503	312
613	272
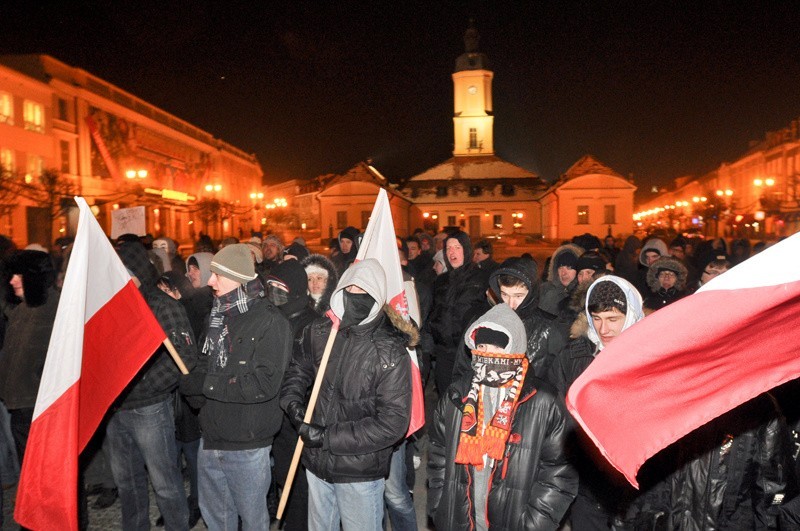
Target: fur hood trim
566	248
406	327
667	262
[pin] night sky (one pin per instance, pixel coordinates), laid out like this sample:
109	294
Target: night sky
652	89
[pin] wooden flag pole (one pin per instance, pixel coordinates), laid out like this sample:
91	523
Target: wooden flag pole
312	401
175	356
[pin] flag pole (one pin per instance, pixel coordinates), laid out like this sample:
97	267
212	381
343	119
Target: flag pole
298	449
175	356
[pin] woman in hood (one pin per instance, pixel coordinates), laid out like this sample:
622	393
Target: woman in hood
322	280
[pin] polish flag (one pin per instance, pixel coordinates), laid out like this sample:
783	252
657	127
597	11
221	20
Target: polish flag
693	360
103	334
380	242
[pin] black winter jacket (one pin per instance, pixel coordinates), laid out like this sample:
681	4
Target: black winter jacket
364	401
732	473
530	489
241	410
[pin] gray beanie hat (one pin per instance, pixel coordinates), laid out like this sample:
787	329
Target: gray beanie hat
234	262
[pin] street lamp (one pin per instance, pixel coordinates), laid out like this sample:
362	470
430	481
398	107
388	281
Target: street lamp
213	187
136	174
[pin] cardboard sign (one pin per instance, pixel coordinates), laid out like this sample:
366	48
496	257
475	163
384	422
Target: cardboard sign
128	220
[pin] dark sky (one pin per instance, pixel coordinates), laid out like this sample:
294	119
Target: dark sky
657	89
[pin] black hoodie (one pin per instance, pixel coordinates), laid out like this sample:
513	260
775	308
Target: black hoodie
455	293
544	338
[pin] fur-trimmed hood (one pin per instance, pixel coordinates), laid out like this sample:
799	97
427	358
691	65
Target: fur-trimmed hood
407	328
667	262
577	250
318	261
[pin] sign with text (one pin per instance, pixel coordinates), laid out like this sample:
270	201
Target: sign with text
128	221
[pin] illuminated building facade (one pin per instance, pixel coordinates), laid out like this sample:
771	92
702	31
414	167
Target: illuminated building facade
476	190
755	196
98	141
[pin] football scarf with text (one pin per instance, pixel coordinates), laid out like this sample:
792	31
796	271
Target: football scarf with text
492	370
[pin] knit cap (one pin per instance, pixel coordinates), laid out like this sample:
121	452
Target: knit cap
489	336
590	260
234	262
608	295
566	258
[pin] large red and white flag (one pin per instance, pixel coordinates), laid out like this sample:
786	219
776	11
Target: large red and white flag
103	334
694	360
380	242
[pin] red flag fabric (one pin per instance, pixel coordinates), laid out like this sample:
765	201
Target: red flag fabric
103	334
380	242
693	360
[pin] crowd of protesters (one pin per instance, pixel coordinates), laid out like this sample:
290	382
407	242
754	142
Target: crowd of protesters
500	341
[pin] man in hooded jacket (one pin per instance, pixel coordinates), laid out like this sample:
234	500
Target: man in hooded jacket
516	283
455	293
363	408
496	456
287	288
612	305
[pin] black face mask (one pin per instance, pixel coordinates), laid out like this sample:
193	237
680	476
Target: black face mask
277	296
356	308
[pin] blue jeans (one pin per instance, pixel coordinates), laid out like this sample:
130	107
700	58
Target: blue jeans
141	442
358	506
234	483
399	504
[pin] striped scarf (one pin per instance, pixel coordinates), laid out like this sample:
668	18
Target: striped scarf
236	302
493	370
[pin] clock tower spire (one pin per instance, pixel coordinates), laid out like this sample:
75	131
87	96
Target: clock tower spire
473	120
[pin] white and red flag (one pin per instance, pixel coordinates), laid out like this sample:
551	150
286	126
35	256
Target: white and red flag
103	334
694	360
380	242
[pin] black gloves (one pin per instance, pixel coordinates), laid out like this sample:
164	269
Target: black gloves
296	412
313	436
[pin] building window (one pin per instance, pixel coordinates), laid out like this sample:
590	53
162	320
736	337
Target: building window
498	221
6	108
63	110
507	190
33	116
473	138
441	191
583	214
365	214
475	191
7	160
610	214
35	166
341	219
64	147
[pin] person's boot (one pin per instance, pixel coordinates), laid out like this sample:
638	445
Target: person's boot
194	511
106	499
272	500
